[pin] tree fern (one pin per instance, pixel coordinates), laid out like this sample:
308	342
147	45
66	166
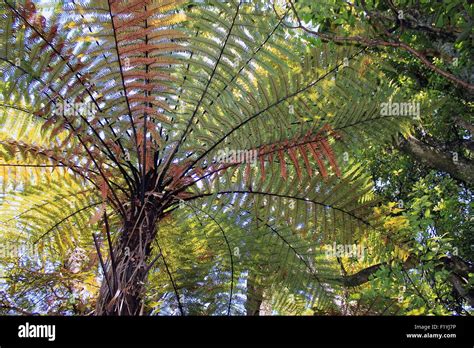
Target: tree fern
121	108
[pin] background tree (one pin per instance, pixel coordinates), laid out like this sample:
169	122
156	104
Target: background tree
429	173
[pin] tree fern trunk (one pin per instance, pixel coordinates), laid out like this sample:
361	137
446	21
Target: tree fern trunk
254	295
122	290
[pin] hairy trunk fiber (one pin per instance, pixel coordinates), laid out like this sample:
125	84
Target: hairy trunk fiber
122	290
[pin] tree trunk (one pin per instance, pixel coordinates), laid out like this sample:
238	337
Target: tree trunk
126	271
254	296
258	300
459	168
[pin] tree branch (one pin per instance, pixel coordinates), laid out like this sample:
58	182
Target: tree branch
458	268
382	43
434	157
